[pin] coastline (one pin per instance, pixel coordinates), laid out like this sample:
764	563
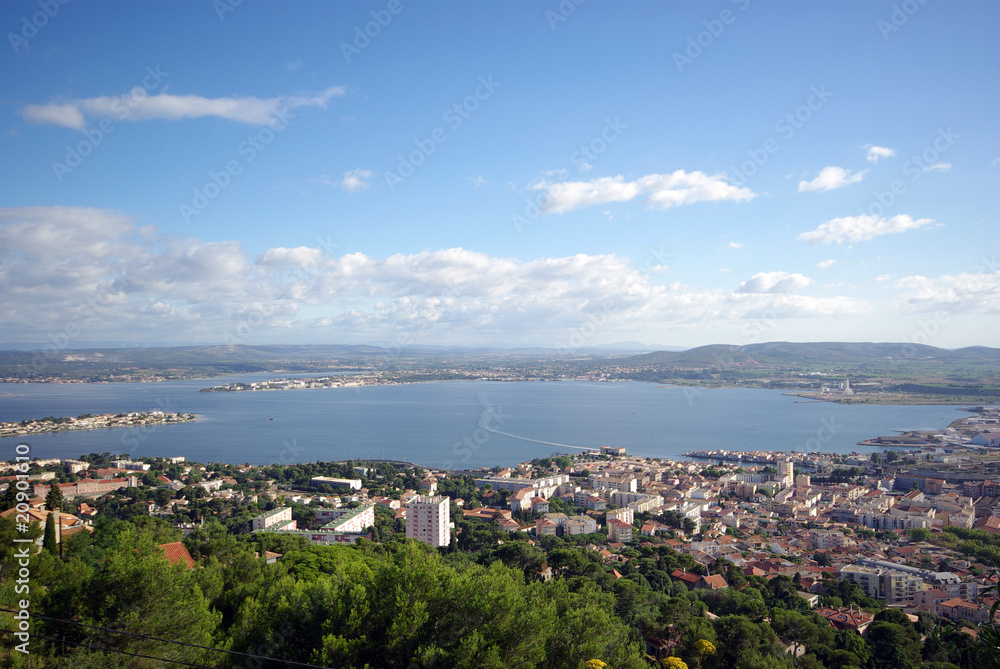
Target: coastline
109	421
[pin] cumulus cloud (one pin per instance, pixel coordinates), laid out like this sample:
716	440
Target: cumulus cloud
854	229
252	110
774	282
352	181
770	306
958	293
660	190
830	178
823	264
735	245
876	152
355	180
100	275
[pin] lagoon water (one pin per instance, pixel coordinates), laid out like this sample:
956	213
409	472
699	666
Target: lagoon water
453	424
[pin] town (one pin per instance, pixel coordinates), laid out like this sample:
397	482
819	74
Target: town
93	422
847	536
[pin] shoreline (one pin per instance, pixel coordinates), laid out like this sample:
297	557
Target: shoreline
397	377
108	421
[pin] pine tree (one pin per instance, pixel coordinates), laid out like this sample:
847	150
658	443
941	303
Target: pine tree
54	500
9	498
49	542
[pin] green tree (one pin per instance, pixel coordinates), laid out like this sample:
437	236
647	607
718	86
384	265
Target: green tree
734	636
136	590
988	639
852	642
891	647
54	500
49	542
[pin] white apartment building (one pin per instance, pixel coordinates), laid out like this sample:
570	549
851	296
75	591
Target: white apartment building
544	487
281	517
349	521
428	520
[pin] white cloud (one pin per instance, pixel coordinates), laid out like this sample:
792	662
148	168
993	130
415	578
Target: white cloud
881	278
823	264
661	190
586	167
353	180
830	178
767	307
876	152
100	275
251	110
478	181
854	229
735	245
959	293
938	167
67	115
774	282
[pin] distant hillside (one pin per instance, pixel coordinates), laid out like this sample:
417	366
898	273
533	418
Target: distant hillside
815	353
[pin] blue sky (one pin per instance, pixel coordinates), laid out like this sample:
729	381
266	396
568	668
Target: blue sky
500	173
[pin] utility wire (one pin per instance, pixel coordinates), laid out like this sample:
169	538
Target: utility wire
112	650
180	643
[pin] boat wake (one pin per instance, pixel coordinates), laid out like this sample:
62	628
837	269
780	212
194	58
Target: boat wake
537	441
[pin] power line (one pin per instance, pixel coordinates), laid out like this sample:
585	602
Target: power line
112	650
179	643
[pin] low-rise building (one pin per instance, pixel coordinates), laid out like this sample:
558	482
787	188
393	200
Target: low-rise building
351	484
619	530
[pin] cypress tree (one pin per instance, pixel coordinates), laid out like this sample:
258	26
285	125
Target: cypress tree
49	542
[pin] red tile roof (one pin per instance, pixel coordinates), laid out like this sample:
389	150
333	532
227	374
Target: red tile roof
177	552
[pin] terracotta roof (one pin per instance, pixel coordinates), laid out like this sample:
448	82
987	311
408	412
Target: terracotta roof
177	552
715	581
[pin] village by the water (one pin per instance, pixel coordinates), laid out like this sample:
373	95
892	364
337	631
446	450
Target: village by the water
889	521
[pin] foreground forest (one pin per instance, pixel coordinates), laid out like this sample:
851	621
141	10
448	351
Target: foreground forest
113	600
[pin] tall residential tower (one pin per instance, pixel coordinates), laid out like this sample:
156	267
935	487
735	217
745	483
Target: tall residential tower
428	520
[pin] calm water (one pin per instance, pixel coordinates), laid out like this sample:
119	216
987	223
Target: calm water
451	424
